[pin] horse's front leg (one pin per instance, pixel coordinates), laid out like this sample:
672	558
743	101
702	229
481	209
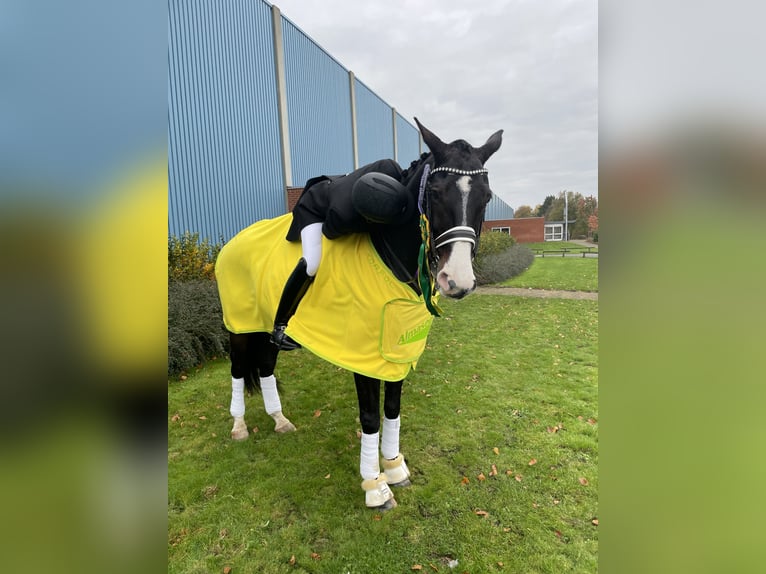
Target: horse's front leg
265	357
393	462
377	494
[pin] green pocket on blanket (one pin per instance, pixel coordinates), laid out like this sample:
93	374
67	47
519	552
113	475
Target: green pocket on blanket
405	325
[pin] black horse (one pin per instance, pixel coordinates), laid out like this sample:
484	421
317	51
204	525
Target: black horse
429	252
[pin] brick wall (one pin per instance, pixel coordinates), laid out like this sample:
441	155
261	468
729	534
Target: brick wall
293	193
524	229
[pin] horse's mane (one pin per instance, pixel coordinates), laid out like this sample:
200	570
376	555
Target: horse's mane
413	167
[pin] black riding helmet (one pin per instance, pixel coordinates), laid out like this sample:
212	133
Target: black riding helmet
380	198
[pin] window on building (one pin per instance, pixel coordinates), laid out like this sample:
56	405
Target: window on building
506	230
554	232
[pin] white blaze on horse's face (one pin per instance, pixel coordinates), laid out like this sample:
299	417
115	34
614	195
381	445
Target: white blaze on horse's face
455	276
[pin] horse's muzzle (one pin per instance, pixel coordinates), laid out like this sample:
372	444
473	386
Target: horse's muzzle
454	292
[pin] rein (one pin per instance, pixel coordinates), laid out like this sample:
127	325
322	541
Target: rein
428	257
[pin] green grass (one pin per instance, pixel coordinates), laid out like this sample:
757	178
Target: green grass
557	245
499	372
561	273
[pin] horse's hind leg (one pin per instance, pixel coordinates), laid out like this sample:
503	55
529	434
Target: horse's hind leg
393	462
239	371
377	494
264	355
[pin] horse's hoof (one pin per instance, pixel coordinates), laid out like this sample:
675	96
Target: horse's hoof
387	505
284	427
239	434
282	423
397	472
377	494
239	430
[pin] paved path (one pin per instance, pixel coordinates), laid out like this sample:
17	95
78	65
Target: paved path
539	293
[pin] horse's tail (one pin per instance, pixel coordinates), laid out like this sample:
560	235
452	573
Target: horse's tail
252	381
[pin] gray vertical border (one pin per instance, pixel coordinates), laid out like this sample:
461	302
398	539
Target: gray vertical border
284	129
393	128
354	137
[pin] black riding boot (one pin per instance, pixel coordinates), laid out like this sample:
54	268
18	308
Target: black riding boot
295	288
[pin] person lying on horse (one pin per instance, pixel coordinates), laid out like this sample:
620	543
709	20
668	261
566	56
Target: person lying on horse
335	206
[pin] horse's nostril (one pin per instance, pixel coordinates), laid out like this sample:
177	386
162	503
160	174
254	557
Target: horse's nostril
452	284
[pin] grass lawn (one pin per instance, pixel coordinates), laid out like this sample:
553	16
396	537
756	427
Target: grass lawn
499	427
557	245
561	273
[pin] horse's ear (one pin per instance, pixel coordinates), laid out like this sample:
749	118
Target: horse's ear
434	143
492	145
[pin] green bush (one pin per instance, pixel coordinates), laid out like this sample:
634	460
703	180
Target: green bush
190	259
195	328
595	237
499	267
493	242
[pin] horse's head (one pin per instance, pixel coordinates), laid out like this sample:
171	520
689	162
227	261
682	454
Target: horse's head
455	197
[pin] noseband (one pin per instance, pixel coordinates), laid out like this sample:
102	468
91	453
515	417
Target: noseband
429	257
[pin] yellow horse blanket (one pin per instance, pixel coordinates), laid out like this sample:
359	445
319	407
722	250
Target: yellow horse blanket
355	315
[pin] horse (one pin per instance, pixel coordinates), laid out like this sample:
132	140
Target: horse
385	286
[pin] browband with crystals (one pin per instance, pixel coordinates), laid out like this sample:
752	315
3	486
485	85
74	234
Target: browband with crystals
459	171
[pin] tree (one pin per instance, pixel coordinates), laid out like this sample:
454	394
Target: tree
522	211
542	210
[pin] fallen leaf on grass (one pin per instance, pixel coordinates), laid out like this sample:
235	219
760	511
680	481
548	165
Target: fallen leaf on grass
493	472
227	570
291	562
416	567
509	472
532	462
315	556
583	481
255	429
183	377
500	564
317	413
327	475
481	476
203	418
591	421
594	522
558	533
496	450
175	417
480	512
465	480
518	478
377	517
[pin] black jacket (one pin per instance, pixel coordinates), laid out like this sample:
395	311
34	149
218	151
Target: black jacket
327	199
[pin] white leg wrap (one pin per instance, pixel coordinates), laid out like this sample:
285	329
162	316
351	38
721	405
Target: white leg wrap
369	466
237	408
389	444
311	243
270	396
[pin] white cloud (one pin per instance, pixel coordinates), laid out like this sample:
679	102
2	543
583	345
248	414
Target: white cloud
527	67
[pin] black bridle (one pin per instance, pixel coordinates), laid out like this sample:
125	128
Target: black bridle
429	257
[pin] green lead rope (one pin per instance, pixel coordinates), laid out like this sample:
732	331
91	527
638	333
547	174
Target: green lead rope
427	286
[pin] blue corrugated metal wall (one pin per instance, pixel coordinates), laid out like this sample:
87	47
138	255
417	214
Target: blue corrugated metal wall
407	137
224	146
319	108
373	126
497	208
224	163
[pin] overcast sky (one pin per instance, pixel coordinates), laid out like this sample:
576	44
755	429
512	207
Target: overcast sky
468	69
